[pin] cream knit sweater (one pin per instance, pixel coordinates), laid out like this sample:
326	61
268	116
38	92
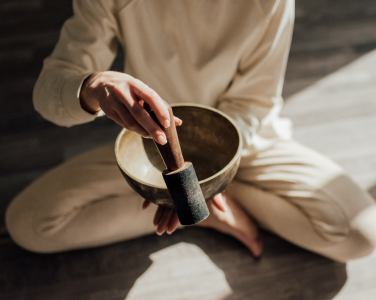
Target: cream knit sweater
229	54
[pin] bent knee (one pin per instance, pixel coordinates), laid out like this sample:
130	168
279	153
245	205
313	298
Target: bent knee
361	240
356	246
19	224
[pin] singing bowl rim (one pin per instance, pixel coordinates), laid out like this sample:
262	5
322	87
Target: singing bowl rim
232	161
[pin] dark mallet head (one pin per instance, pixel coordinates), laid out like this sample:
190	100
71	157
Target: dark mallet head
180	177
185	191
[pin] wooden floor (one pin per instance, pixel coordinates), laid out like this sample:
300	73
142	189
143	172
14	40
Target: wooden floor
330	94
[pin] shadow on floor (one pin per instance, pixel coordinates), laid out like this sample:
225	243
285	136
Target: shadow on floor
108	273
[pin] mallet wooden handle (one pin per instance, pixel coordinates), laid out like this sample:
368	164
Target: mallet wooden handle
170	152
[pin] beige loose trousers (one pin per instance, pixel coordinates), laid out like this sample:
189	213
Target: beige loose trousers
288	189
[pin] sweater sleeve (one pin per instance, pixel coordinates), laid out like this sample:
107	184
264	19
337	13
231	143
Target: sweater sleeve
254	98
88	43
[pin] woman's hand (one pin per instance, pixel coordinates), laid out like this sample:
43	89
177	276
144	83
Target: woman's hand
122	97
226	216
166	219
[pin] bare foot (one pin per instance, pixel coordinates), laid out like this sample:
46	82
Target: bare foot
233	221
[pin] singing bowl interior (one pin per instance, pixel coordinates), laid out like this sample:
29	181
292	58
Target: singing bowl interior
208	139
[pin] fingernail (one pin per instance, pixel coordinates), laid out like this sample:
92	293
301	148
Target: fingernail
166	123
168	232
161	140
159	233
180	121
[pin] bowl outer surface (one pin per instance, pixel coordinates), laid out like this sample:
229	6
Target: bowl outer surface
208	138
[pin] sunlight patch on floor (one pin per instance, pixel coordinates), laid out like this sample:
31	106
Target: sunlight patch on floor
182	271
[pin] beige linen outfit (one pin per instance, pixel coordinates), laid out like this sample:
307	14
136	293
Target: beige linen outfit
227	54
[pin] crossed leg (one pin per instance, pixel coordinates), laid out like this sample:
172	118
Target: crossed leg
288	189
82	203
308	200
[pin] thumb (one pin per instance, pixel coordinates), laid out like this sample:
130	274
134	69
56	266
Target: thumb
178	122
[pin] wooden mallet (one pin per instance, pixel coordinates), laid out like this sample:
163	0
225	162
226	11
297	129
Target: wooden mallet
180	177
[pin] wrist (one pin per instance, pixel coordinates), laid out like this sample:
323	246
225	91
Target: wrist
88	99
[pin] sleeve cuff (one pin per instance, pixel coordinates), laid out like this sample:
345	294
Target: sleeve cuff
70	98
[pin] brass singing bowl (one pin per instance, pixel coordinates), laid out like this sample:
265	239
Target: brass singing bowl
208	138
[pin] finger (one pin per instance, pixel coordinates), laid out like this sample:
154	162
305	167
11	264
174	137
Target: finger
158	215
257	246
158	105
143	119
128	120
178	122
115	117
146	204
165	219
219	202
173	223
